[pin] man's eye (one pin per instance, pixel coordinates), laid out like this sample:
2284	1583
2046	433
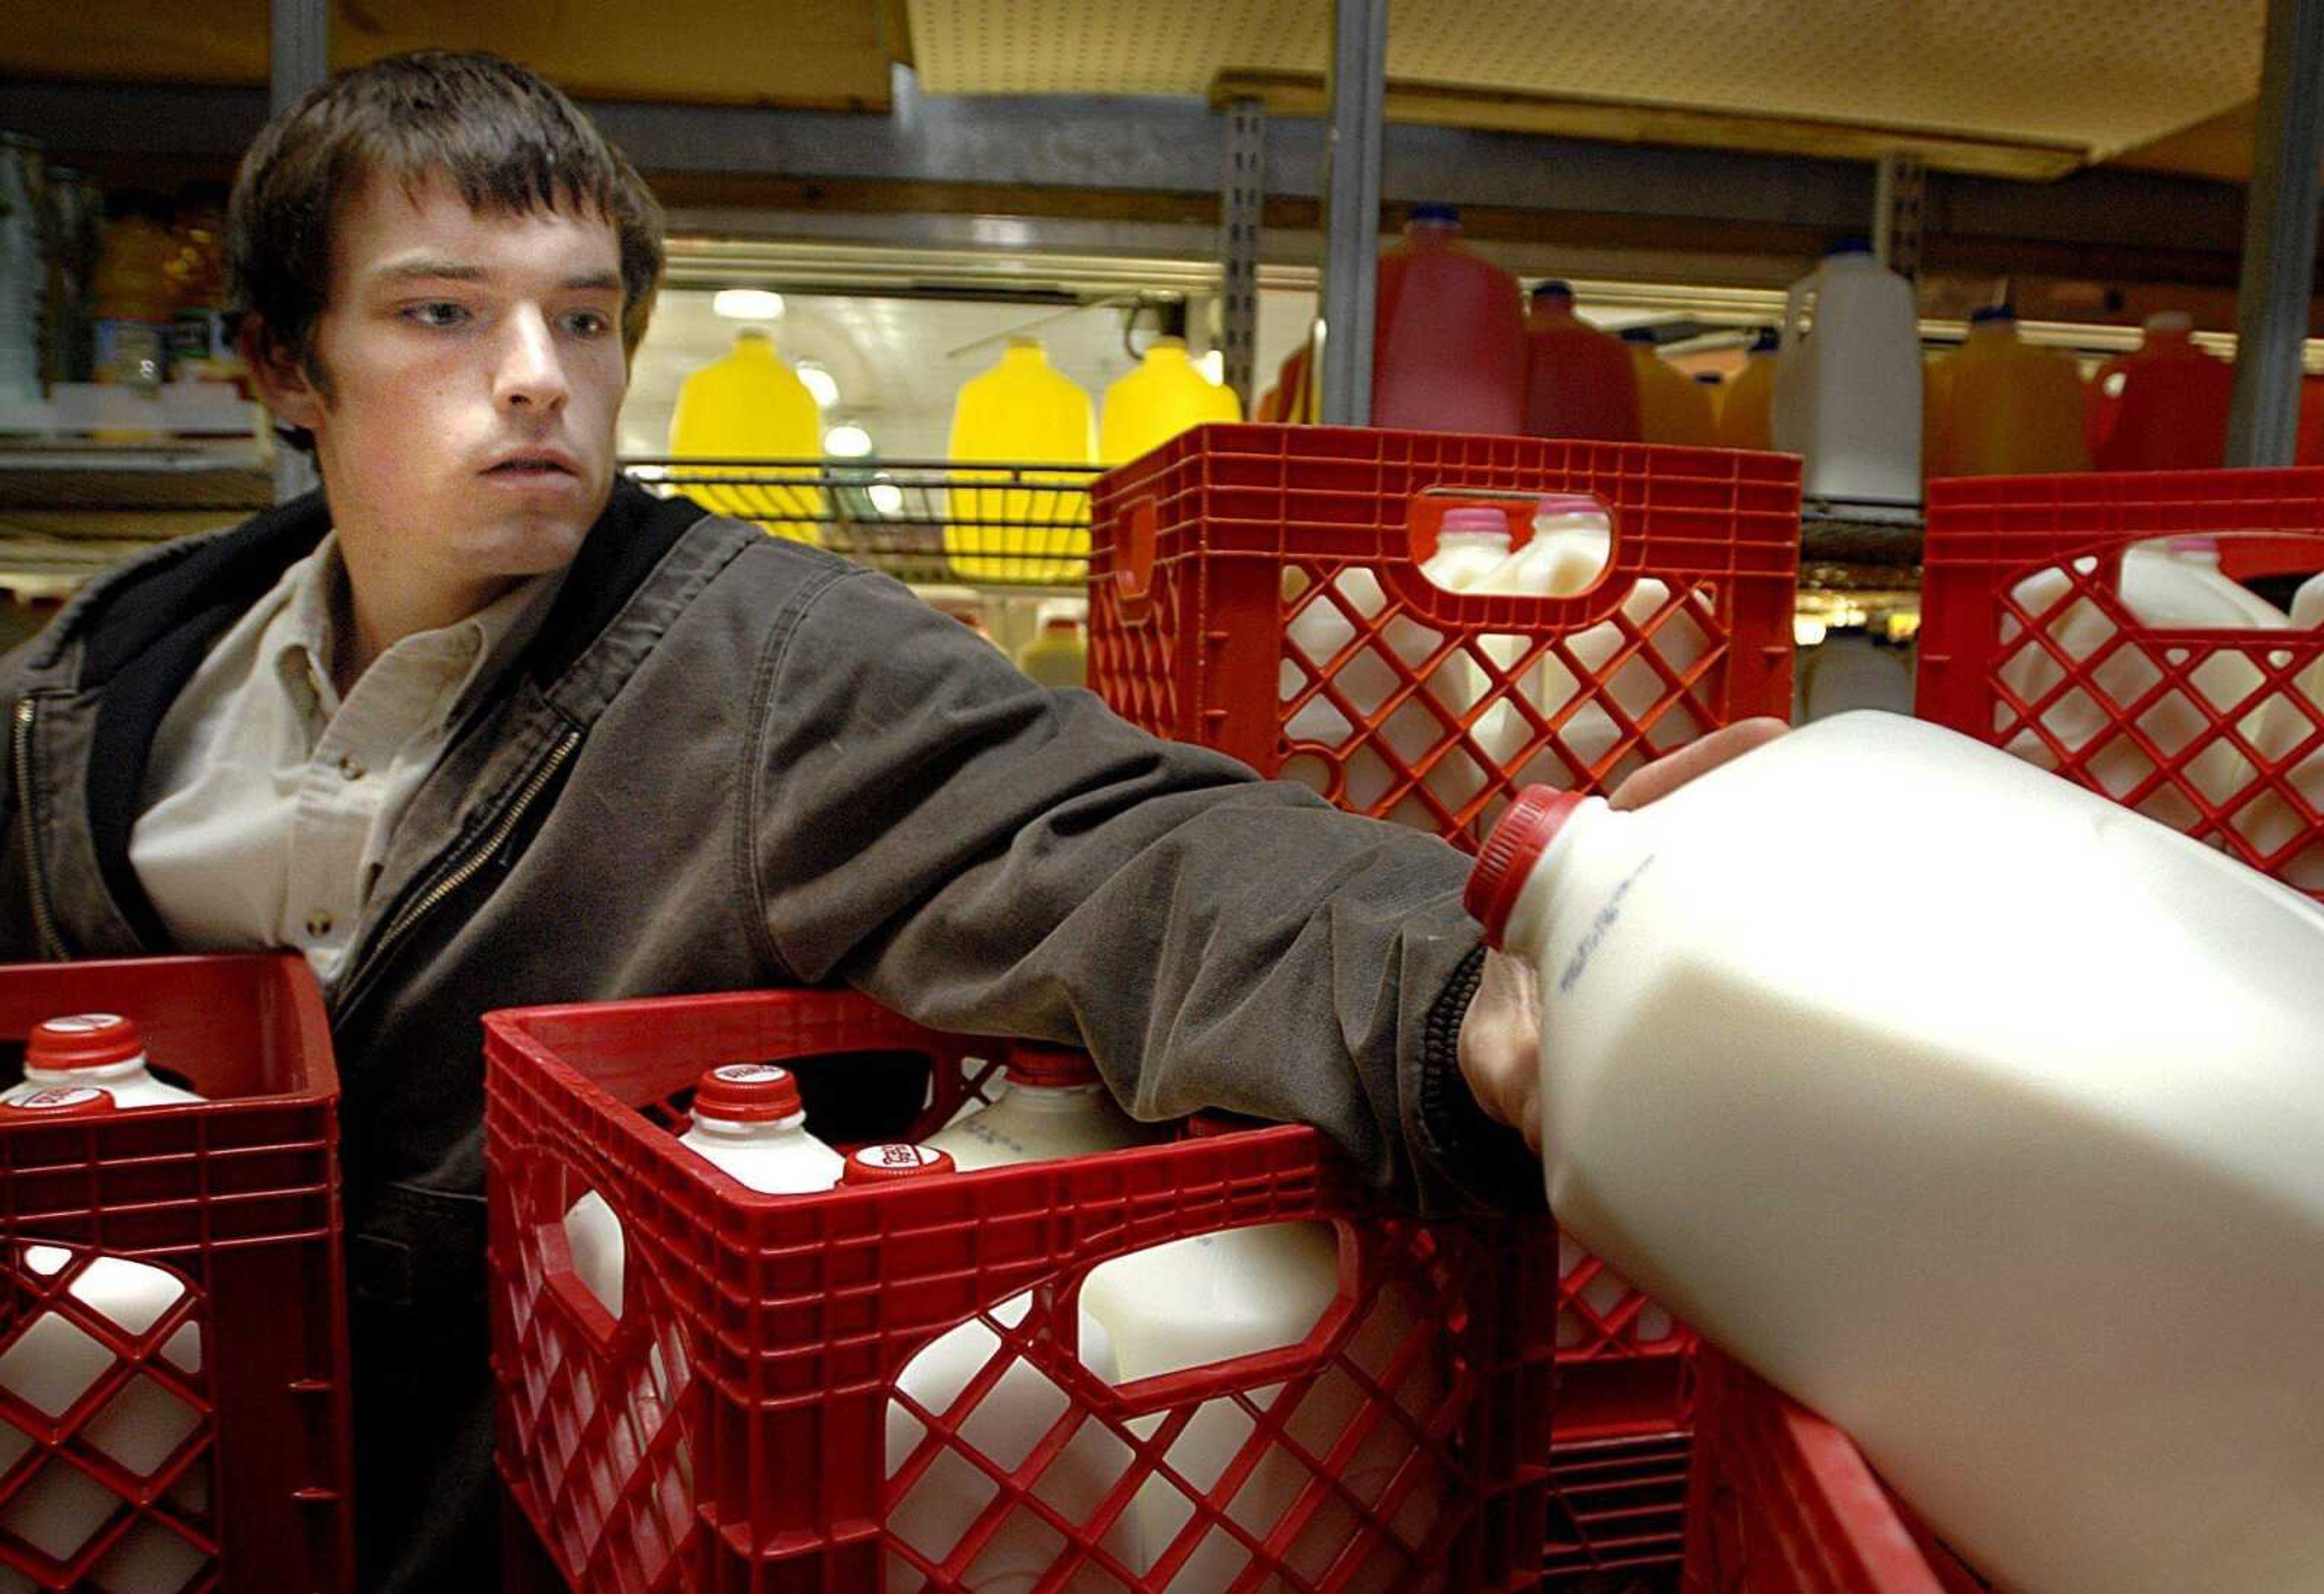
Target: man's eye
441	313
588	323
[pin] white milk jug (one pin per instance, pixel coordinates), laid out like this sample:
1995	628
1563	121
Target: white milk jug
2023	1192
1470	542
97	1050
1237	1293
2174	584
54	1364
1054	1106
944	1501
1848	387
2273	822
748	1122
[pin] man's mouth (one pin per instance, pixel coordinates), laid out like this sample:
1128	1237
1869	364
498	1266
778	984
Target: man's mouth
533	465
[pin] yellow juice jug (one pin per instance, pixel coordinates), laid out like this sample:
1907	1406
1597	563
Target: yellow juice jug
1163	397
1672	408
1020	412
1744	419
2004	407
748	405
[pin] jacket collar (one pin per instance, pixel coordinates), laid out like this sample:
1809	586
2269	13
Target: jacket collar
148	632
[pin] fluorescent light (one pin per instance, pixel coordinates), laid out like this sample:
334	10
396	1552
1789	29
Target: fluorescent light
847	442
819	382
887	498
747	304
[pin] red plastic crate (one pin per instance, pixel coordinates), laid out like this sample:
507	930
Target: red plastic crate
727	1431
2205	730
1616	1505
238	1200
1208	552
1781	1502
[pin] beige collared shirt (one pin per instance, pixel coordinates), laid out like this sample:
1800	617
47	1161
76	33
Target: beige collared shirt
269	801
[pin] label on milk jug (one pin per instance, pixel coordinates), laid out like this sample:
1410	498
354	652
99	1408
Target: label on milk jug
1601	923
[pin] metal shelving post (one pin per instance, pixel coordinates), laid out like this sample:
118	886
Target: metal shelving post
1351	204
2279	265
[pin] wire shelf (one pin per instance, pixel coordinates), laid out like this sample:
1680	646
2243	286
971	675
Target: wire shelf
1023	526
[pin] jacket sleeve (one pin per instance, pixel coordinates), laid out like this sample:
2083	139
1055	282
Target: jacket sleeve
993	858
19	941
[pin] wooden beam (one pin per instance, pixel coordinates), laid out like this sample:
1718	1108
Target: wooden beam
1300	94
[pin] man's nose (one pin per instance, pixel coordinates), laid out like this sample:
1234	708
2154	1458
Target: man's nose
531	375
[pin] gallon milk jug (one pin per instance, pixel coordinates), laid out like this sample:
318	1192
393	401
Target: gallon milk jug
1057	656
2175	585
747	405
2163	407
2292	731
748	1122
1167	395
1240	1292
935	1510
2004	407
2023	1191
123	1337
1847	389
1671	408
1579	381
1744	419
1020	412
1470	542
1449	338
93	1049
1055	1106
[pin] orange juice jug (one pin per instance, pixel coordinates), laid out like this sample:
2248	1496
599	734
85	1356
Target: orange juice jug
1021	411
748	405
1671	408
2171	413
1579	380
1449	338
1163	397
1743	419
2004	407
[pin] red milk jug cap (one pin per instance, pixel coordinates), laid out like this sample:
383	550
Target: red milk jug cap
83	1039
58	1101
1510	852
747	1093
1032	1063
896	1159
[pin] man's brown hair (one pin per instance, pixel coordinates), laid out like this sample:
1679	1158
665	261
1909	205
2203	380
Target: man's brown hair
508	141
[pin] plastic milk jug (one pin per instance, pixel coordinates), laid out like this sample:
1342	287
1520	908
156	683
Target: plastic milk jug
1021	411
2291	729
1057	656
943	1500
2023	1193
1055	1106
55	1361
1240	1292
747	405
748	1122
1470	542
2175	585
93	1049
1847	389
1449	334
1167	395
1579	381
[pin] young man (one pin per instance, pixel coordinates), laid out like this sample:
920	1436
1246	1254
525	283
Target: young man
477	726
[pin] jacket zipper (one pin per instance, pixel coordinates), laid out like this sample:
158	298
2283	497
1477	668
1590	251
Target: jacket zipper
464	871
44	920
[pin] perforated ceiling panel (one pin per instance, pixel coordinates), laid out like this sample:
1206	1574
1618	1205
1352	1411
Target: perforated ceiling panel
2100	74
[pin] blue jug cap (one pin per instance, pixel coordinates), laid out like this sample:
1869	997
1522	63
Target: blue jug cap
1553	288
1848	246
1766	340
1992	312
1637	335
1432	211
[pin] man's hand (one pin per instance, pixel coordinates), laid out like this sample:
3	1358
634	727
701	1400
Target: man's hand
1500	1037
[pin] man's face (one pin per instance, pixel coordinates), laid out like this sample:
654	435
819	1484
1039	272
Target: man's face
474	371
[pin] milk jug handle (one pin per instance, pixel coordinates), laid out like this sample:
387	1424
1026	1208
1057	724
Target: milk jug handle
1795	306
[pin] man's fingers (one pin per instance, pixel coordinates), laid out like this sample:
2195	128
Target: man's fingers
1669	773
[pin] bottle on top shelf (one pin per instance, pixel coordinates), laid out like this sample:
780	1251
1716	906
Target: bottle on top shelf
1579	382
1449	341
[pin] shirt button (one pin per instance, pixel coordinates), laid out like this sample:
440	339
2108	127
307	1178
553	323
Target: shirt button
350	766
318	923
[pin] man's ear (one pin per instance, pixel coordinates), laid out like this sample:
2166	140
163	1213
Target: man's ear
279	378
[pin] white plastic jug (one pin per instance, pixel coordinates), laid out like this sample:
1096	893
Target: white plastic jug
1470	543
55	1362
1237	1293
1847	389
944	1499
100	1050
2023	1192
1055	1106
2273	822
748	1121
2173	583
